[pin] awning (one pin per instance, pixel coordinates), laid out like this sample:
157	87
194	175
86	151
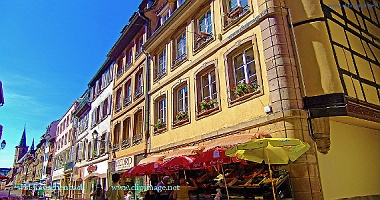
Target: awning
232	140
95	174
185	151
151	159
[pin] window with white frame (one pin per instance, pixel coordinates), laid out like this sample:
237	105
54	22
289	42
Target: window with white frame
180	48
182	97
161	110
207	90
244	67
243	74
204	29
208	85
180	103
161	64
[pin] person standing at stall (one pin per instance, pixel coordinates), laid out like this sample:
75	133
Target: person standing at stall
183	192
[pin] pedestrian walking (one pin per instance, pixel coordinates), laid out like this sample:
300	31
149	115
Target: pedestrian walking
98	194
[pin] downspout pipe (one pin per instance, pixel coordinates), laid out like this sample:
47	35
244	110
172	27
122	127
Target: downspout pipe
147	88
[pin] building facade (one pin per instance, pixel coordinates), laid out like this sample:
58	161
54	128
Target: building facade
97	140
128	121
64	140
49	148
304	80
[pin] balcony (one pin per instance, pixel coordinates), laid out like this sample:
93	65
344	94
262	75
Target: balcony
83	106
138	92
117	107
180	58
116	147
136	139
127	101
125	144
119	74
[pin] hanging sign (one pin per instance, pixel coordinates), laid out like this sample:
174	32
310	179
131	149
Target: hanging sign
92	168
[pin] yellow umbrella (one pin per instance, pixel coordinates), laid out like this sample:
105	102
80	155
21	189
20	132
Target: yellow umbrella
269	150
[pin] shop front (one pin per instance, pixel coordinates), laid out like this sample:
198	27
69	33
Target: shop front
235	167
77	182
122	165
95	174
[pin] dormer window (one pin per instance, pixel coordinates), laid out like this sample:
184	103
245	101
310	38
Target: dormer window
165	17
164	14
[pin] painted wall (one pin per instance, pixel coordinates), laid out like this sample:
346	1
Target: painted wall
351	167
228	115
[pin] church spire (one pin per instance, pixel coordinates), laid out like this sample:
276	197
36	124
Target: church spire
23	138
32	146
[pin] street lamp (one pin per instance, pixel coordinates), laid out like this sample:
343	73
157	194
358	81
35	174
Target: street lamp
3	145
95	135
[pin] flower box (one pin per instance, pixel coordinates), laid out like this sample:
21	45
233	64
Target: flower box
181	121
235	12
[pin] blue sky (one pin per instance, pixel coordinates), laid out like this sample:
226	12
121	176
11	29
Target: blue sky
49	51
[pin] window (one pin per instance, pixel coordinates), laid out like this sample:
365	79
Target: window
242	69
129	58
234	9
89	150
127	93
118	100
238	6
180	48
139	46
138	125
180	104
161	64
126	133
119	71
116	134
103	144
161	110
165	16
105	107
139	84
208	85
207	91
180	2
204	27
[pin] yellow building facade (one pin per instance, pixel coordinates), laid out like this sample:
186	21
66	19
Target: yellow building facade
303	69
127	121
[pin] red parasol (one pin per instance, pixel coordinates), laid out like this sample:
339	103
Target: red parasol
143	169
3	177
212	157
178	163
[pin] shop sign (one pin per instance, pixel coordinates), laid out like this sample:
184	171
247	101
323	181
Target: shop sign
124	163
92	168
